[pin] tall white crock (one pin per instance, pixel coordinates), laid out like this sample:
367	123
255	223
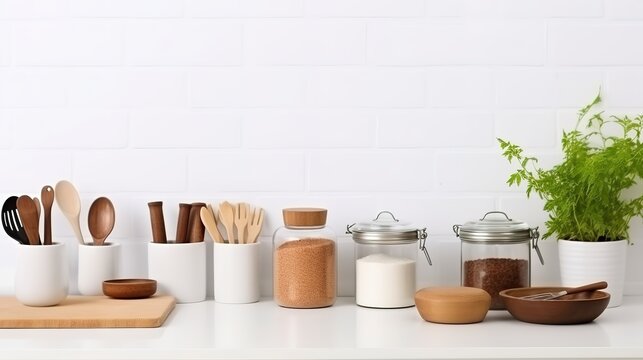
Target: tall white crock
584	262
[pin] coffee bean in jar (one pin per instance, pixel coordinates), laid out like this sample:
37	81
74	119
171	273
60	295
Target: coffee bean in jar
496	254
305	260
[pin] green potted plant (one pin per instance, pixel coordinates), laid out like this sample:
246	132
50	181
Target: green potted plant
584	195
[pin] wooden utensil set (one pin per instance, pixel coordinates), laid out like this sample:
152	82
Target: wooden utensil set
194	218
21	215
188	229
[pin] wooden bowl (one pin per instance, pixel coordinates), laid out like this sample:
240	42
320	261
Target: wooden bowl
569	309
452	305
129	288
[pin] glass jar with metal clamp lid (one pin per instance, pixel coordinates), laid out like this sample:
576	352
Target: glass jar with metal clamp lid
385	257
495	254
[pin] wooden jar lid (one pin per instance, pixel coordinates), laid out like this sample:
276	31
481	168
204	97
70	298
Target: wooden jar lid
452	305
305	216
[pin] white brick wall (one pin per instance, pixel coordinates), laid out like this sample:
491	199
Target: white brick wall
355	105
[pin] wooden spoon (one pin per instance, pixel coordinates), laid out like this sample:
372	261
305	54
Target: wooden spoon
226	213
101	220
29	218
38	207
210	224
47	196
241	211
69	203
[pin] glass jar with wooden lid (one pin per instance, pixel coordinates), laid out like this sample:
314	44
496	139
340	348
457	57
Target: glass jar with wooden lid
304	260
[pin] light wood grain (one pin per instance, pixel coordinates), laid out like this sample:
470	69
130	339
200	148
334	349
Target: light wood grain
87	312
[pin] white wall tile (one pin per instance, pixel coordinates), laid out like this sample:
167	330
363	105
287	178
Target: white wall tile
372	171
140	88
367	88
245	8
249	88
5	43
440	8
221	171
21	87
305	43
364	8
624	9
421	128
309	129
472	172
456	42
594	44
527	128
126	8
183	43
31	169
6	135
51	128
69	42
456	88
185	129
33	9
620	85
536	88
130	171
535	8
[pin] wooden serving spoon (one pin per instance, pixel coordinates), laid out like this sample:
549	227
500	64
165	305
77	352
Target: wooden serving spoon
69	203
47	196
101	220
29	218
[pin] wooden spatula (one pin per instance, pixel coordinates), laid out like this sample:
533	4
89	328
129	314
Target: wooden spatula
29	217
210	224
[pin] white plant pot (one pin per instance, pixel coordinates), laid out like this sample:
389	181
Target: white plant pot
586	262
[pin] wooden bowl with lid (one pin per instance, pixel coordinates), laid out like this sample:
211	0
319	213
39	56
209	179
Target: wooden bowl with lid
452	305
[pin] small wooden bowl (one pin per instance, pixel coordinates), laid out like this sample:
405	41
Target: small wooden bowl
129	288
569	309
452	305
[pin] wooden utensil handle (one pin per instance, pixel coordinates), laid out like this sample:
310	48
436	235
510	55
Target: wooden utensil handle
196	230
589	287
183	222
158	222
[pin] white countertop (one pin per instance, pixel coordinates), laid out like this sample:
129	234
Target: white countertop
263	330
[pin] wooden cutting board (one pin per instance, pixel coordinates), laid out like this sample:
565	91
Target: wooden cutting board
87	312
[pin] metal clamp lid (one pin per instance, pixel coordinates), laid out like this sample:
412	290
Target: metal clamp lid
380	231
499	231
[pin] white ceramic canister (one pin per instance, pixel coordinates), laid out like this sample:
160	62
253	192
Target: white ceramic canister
42	274
385	261
97	263
236	273
179	270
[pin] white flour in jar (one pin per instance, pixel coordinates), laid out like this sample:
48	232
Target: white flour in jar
384	281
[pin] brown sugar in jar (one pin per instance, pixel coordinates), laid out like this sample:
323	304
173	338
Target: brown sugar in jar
305	260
